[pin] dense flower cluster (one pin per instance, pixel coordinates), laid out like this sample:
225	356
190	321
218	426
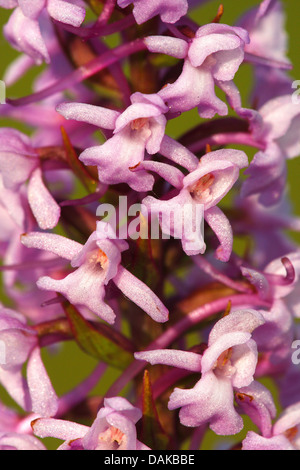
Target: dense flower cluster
192	323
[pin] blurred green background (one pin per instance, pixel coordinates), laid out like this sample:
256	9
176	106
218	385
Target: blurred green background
68	366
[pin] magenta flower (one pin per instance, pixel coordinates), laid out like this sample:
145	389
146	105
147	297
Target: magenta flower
279	280
215	175
268	41
19	163
290	291
256	401
113	429
23	29
285	433
96	263
266	27
257	219
170	11
35	393
279	136
140	128
212	58
228	364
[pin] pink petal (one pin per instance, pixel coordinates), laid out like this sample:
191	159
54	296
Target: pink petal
24	34
257	402
255	442
179	154
222	228
167	45
83	288
20	442
56	244
42	394
32	9
165	171
195	87
290	418
44	207
237	321
210	401
59	429
65	12
141	295
225	342
101	117
170	357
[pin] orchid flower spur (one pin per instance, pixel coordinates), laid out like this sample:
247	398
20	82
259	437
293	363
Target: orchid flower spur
96	263
278	280
149	223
